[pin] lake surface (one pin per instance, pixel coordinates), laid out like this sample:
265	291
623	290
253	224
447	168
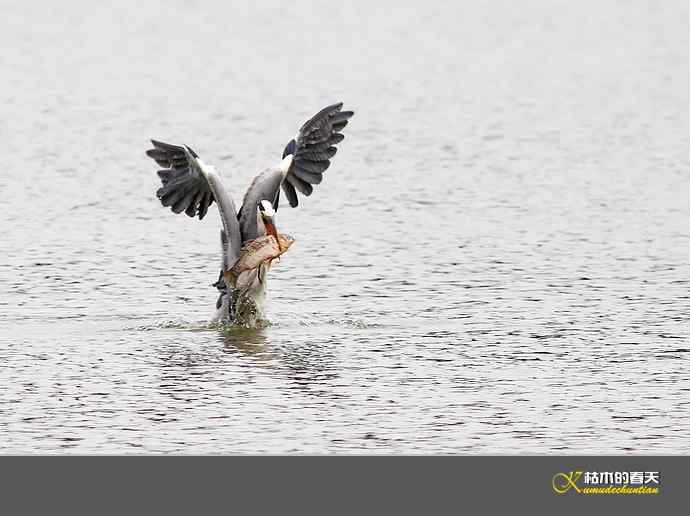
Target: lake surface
497	261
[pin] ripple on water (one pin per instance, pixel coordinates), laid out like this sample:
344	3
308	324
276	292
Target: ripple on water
496	268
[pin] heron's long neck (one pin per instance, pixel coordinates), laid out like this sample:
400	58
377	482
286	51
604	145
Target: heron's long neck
228	216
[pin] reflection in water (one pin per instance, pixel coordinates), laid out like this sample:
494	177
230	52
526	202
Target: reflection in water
253	343
306	362
302	364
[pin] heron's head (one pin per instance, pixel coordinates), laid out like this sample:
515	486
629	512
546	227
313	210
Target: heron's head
267	216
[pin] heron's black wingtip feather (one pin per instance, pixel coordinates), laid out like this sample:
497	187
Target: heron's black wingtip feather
290	148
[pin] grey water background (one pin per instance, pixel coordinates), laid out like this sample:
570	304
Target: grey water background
496	262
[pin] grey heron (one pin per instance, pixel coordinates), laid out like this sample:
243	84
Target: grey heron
249	238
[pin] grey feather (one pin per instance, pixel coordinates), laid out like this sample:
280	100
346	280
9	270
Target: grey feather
192	207
316	155
290	194
313	178
342	116
335	138
301	185
312	150
184	187
185	202
313	166
206	200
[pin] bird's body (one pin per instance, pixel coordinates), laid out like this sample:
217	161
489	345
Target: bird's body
250	241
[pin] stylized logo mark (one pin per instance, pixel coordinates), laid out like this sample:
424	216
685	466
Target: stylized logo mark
563	482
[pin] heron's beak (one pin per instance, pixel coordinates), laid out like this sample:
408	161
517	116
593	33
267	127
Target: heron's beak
271	228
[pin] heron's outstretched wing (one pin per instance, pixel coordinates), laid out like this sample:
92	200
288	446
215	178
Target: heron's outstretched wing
184	187
313	149
191	186
304	161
